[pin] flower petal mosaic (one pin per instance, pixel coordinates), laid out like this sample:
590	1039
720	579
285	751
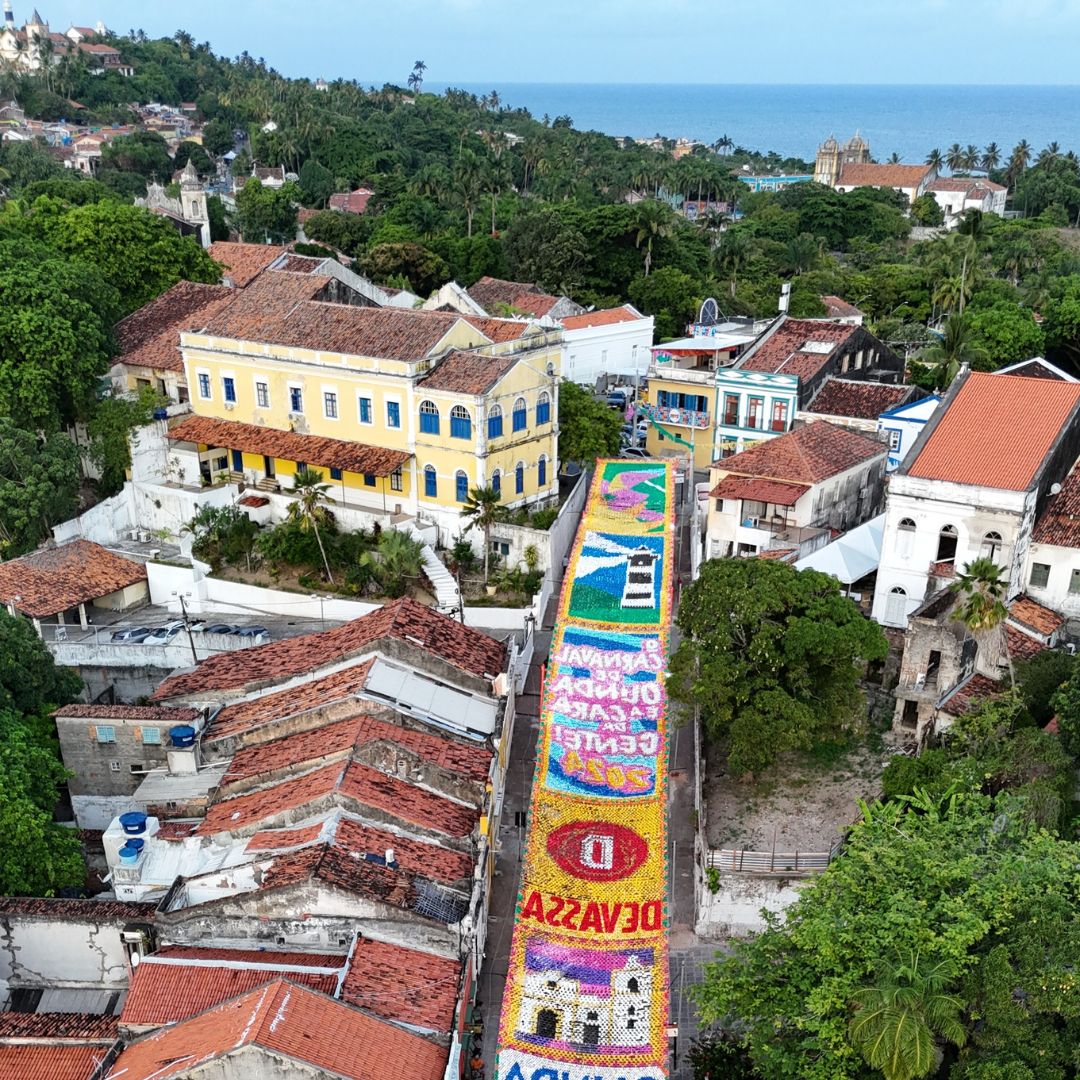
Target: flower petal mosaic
587	988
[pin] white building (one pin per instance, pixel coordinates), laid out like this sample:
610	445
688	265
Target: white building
1052	574
956	195
902	426
787	494
611	345
973	484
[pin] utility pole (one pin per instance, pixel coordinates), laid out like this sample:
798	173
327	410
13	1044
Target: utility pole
187	626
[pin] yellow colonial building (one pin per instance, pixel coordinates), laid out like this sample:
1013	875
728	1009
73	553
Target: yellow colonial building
402	411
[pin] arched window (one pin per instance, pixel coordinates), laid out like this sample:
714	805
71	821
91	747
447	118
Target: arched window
429	418
494	421
541	471
460	423
896	607
461	486
905	538
519	478
991	546
543	409
946	547
521	416
496	481
632	986
431	482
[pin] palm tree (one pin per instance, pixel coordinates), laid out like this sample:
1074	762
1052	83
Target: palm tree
1048	156
894	159
483	509
397	561
802	253
991	158
468	182
934	159
971	157
653	222
310	492
416	77
732	254
899	1021
1019	158
954	157
953	350
982	585
723	144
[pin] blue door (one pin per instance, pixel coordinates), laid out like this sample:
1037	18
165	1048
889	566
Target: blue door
237	461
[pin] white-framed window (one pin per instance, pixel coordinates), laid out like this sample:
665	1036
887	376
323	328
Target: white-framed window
905	537
991	546
151	736
894	439
203	379
296	398
106	733
1040	575
1074	582
262	394
228	388
330	410
363	409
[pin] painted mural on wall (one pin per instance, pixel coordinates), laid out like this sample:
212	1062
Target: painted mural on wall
588	979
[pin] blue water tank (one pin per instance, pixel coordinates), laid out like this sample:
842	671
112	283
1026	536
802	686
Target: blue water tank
161	414
133	823
182	735
136	843
128	856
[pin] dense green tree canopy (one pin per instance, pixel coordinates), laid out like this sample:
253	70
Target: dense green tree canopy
588	429
266	214
771	656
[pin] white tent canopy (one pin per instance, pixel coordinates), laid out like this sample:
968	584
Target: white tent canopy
852	556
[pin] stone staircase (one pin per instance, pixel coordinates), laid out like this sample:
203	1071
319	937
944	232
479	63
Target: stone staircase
442	581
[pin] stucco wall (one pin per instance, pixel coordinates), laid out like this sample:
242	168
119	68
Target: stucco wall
735	910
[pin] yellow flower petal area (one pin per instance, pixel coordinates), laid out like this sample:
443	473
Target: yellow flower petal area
588	974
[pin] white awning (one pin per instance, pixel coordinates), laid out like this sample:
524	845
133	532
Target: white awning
852	556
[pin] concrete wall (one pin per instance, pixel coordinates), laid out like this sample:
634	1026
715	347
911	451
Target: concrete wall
735	910
615	351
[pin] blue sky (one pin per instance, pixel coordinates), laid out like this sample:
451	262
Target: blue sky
660	41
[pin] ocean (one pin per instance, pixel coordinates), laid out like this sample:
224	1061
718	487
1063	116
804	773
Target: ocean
793	120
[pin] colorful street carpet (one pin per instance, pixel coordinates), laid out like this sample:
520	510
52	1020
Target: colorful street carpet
587	990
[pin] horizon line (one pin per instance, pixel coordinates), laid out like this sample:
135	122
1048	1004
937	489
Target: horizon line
451	84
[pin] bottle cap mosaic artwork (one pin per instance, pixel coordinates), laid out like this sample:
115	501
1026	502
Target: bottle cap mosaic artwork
587	989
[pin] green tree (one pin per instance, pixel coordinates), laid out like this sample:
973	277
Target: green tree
671	296
142	152
1066	703
396	562
265	214
136	252
115	421
483	509
196	154
308	509
316	182
926	211
422	268
219	223
1039	678
954	349
981	588
588	429
899	1018
218	137
1061	320
30	681
1005	333
771	656
654	222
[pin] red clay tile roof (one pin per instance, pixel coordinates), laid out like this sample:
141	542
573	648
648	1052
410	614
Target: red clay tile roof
839	308
339	738
778	553
969	694
806	455
95	911
1059	523
50	1061
867	174
315	450
329	864
244	262
254	956
279	839
247	716
498	329
351	202
945	568
438	863
150	337
298	264
390	333
51	580
786	348
293	750
292	1021
235	814
404	620
402	984
464	372
164	993
491	293
176	830
1034	616
16	1025
166	714
975	440
859	400
370	787
1022	646
606	317
768	491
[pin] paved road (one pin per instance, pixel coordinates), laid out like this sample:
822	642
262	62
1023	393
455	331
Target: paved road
687	952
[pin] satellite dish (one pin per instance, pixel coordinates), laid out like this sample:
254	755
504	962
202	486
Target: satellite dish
709	315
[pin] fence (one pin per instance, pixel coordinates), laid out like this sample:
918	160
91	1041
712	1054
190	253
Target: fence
777	863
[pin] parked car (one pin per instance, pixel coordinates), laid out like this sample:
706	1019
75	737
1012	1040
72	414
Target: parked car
134	633
163	634
616	399
633	452
216	628
251	631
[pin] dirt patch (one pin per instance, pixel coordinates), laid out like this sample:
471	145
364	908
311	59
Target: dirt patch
800	804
